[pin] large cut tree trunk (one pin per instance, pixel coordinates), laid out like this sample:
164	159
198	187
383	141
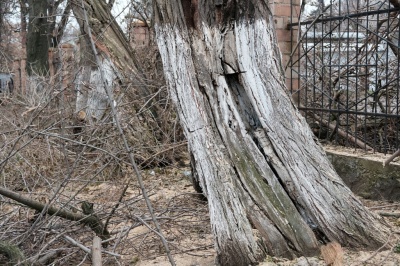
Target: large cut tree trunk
270	188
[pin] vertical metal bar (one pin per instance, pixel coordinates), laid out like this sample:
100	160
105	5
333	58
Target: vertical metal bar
366	70
330	61
348	86
397	91
357	63
375	103
387	79
341	63
321	114
314	93
299	47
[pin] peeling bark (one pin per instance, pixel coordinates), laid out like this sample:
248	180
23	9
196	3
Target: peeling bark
270	187
116	56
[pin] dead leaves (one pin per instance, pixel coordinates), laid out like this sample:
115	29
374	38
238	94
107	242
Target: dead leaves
332	254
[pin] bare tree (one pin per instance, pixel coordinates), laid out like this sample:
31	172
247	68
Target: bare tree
270	187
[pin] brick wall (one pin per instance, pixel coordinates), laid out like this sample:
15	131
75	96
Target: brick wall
19	75
285	12
67	72
140	35
66	52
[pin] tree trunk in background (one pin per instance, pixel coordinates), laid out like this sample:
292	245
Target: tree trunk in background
1	20
37	39
115	54
24	26
270	187
144	111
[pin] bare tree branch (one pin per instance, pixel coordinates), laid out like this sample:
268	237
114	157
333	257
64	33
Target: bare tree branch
142	15
125	142
96	251
391	158
91	220
64	20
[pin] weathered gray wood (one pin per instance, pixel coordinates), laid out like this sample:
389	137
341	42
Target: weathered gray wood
269	185
96	251
117	60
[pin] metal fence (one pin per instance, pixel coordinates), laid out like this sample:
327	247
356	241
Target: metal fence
348	65
6	83
3	86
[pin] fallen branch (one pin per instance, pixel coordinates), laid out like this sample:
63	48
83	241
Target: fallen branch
341	132
96	251
390	214
44	260
384	206
391	158
91	220
86	249
77	244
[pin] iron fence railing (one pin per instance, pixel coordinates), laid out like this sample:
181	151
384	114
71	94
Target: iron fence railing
348	65
6	85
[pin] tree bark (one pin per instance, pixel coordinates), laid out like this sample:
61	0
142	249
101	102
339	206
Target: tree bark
24	26
117	58
270	187
96	252
2	9
37	39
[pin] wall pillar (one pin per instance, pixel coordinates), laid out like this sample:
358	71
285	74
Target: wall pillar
286	12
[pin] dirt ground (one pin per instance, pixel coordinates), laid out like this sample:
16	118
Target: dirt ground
196	245
385	256
38	173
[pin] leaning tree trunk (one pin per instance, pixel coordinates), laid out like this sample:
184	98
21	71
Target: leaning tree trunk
113	66
116	59
270	187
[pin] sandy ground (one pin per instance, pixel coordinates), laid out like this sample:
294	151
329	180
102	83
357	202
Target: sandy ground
183	217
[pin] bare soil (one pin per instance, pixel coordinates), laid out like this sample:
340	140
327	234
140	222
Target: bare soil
41	170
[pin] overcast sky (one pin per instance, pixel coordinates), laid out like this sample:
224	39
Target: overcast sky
120	10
